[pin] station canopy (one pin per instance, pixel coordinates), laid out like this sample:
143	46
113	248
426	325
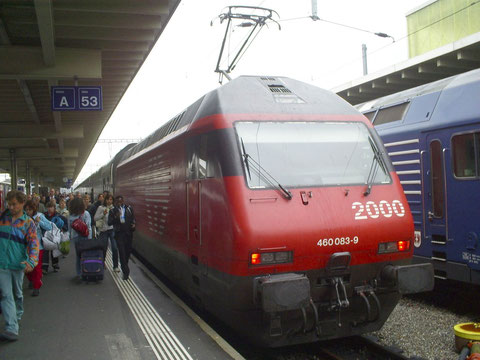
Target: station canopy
451	59
45	43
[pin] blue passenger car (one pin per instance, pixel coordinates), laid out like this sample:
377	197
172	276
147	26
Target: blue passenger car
432	134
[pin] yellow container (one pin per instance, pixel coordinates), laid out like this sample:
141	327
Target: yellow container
466	332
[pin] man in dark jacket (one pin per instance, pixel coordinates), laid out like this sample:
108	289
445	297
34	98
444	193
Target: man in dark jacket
123	220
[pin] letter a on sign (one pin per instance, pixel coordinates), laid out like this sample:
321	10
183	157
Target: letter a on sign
63	101
63	98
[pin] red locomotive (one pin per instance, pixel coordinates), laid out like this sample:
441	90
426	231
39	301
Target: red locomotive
272	203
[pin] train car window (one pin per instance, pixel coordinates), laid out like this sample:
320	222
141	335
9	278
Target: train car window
391	113
477	154
464	159
438	195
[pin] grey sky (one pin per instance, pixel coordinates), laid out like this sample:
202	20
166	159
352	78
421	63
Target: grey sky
180	67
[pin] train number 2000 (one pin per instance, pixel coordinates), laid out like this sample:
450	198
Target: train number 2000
372	210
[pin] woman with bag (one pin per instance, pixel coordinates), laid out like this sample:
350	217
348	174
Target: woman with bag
77	222
42	224
106	231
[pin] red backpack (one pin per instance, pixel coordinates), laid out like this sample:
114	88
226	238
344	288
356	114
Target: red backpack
80	227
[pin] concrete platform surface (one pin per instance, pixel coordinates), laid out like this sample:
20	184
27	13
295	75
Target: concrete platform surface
113	319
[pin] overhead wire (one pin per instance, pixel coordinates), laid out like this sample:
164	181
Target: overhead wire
426	26
354	28
402	38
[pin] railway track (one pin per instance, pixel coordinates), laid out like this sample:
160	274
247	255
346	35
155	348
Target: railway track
354	348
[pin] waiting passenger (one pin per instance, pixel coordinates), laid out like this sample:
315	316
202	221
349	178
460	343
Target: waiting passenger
63	209
18	255
42	224
61	222
123	220
41	205
77	210
86	200
106	231
51	196
92	209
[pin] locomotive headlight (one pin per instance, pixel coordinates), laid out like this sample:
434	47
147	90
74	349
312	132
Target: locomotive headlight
393	246
269	258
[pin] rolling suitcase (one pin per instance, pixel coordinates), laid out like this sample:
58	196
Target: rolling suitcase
91	262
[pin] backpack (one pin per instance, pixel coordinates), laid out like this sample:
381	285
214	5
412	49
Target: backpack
52	238
57	220
80	227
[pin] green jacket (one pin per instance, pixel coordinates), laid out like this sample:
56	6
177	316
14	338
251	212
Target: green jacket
18	242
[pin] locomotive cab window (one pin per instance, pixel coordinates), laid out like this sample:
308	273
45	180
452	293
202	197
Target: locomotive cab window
466	157
303	154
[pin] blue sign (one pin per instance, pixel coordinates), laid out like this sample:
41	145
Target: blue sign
89	98
63	98
77	98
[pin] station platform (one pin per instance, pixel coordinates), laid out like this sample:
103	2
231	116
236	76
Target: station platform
113	319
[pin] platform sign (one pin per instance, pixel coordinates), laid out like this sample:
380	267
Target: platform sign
68	98
89	98
63	98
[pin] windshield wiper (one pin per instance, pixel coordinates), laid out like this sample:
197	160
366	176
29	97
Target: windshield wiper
377	160
257	167
245	158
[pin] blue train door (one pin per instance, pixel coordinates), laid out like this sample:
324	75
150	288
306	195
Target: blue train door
464	220
435	201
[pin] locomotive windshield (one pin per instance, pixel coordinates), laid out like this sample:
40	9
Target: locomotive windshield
303	154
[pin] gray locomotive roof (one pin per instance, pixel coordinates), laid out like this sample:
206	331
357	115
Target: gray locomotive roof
267	94
440	85
253	95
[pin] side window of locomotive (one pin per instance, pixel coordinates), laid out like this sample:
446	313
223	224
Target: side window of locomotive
213	165
465	157
390	114
202	157
191	161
